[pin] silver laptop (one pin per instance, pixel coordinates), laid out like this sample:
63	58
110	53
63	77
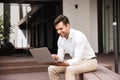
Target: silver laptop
41	55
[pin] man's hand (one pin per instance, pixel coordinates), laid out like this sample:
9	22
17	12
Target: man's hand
59	63
55	57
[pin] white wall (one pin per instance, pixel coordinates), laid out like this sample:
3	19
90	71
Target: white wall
17	37
14	18
93	25
84	18
1	9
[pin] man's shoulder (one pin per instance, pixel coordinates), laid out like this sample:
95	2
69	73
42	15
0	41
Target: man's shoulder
78	35
75	31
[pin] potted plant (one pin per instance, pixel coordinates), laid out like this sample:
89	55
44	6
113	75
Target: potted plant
1	30
4	31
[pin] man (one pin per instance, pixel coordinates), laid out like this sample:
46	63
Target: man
74	43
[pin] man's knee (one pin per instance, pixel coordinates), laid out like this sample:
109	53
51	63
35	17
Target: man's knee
50	68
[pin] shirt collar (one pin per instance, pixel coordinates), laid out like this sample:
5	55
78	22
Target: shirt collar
70	35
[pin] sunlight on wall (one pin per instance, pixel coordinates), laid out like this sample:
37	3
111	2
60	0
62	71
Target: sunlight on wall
1	9
17	37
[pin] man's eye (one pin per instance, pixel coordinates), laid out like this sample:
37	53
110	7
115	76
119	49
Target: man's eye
60	28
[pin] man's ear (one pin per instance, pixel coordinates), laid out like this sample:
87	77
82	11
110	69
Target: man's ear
68	25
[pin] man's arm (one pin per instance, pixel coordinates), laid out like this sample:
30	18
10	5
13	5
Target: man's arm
59	63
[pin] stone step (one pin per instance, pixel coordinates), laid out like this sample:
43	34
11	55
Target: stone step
20	65
22	69
17	63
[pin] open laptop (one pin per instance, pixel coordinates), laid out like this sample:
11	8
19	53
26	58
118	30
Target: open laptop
42	55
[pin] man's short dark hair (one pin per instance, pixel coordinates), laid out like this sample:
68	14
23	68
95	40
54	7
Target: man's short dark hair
61	18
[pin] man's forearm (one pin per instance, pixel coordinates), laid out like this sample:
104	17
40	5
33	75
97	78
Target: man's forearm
64	63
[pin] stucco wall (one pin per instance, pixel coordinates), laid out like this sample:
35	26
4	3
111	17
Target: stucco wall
84	18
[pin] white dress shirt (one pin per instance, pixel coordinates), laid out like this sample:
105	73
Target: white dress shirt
77	46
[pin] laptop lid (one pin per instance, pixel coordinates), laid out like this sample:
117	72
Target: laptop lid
41	55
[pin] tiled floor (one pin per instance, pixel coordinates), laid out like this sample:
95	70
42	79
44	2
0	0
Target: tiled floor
107	59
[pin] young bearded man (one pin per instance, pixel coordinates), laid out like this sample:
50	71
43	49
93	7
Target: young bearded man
75	43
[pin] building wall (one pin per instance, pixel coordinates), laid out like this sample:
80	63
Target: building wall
17	37
84	18
1	9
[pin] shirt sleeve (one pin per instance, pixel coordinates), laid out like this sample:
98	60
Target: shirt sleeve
78	51
60	51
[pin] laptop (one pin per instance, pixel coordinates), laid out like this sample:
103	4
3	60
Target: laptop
42	55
